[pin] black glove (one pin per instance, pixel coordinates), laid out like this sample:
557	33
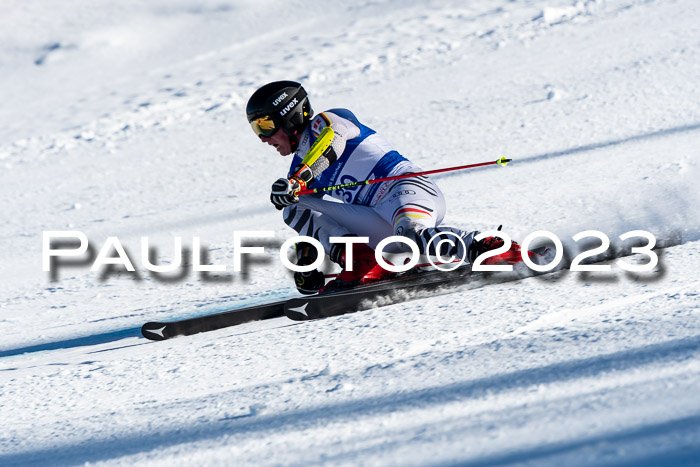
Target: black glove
309	282
283	192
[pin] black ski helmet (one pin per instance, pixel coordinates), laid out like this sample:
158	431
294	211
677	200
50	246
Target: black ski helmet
279	105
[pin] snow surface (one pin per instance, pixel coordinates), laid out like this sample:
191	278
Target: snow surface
126	119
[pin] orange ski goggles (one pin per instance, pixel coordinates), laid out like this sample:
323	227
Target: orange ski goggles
264	126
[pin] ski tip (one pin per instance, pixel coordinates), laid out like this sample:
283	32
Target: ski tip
155	331
503	161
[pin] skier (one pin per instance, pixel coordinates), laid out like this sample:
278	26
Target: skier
332	148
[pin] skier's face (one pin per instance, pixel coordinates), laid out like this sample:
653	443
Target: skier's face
280	141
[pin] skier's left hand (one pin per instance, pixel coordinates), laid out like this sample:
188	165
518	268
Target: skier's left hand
284	191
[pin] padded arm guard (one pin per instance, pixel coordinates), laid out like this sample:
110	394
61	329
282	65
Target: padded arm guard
324	152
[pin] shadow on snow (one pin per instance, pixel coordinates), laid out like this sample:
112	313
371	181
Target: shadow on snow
94	450
94	339
590	147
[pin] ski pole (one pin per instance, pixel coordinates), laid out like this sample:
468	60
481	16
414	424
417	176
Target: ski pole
502	161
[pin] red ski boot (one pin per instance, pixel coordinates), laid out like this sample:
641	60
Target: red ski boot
364	267
512	256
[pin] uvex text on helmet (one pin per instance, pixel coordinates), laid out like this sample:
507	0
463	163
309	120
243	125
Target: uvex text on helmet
284	102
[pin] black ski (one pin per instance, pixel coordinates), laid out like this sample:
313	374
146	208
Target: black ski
395	290
159	331
342	300
387	292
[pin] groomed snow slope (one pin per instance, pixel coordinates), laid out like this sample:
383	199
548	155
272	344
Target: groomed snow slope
127	120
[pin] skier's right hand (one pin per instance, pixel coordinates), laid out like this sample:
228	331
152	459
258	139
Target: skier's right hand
284	192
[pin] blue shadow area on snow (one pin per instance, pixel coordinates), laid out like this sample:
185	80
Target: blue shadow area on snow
615	142
94	339
112	336
679	456
257	425
587	147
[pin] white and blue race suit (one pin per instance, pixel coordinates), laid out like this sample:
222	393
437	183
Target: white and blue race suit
411	207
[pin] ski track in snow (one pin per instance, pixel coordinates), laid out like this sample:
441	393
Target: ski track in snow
127	121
